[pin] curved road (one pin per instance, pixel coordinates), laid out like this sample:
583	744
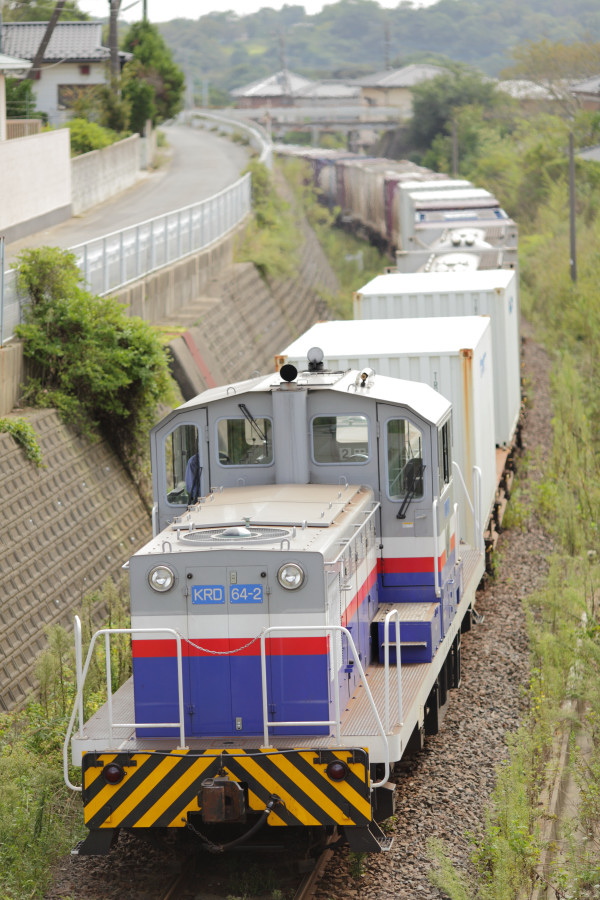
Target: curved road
199	164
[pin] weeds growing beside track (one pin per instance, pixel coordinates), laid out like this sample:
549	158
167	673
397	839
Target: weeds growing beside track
518	852
40	819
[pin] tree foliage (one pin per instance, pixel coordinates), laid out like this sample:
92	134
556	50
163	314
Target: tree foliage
555	66
435	102
153	64
20	100
95	364
359	36
39	11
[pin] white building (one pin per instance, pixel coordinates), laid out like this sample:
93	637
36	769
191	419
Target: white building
10	67
74	62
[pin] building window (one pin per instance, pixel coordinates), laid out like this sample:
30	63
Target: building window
84	69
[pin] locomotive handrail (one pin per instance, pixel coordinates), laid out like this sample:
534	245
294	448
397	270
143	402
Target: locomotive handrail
359	528
436	553
336	700
475	507
386	666
81	675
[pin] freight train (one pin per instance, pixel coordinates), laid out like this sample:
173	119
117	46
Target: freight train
296	619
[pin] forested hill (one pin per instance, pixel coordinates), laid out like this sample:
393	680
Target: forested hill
354	37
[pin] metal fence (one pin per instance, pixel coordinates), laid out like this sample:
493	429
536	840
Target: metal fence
112	261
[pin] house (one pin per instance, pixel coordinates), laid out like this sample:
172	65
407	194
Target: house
327	93
11	67
394	86
587	92
74	62
275	90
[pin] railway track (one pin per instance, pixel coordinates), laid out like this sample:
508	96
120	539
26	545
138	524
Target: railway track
184	885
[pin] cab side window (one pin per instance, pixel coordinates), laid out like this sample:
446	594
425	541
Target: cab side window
404	459
244	442
183	466
340	439
444	456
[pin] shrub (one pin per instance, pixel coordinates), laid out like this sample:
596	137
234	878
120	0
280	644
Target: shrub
96	365
87	136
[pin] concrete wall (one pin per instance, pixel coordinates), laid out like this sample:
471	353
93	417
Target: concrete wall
35	183
12	375
65	529
101	174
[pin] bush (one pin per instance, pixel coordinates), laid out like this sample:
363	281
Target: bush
87	136
96	365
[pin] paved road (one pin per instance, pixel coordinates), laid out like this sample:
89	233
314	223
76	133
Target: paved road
201	164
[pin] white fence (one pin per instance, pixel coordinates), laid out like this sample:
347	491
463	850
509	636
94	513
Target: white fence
112	261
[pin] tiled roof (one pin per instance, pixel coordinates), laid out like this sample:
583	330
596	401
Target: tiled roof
281	84
588	86
81	41
401	78
328	90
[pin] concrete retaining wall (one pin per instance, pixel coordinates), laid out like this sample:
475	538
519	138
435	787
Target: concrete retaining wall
65	529
101	174
35	183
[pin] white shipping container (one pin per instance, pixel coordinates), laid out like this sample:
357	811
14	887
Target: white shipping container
426	295
452	355
424	206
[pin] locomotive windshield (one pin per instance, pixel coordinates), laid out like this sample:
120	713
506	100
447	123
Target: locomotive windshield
340	439
245	441
405	459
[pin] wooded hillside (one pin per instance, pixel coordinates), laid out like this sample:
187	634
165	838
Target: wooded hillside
354	37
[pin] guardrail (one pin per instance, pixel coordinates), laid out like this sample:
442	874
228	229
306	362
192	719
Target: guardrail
114	260
233	123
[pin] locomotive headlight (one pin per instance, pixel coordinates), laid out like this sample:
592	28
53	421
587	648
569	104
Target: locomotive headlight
161	578
291	576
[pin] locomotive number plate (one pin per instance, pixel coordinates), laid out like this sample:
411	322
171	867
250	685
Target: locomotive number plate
208	593
245	593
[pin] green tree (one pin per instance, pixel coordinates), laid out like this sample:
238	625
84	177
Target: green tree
139	94
39	11
435	102
20	100
156	67
554	66
91	361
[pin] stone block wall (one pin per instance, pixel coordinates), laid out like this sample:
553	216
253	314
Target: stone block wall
65	529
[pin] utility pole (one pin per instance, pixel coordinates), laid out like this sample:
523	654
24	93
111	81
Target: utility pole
572	207
145	11
113	38
39	55
386	43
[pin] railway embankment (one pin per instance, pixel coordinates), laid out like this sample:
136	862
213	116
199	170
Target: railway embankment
67	527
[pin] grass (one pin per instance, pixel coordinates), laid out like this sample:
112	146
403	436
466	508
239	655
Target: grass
40	819
563	616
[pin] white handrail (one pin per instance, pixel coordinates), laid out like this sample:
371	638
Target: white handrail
386	665
81	676
436	553
336	699
477	493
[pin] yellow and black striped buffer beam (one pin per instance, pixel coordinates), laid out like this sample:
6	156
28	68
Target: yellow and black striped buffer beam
159	789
